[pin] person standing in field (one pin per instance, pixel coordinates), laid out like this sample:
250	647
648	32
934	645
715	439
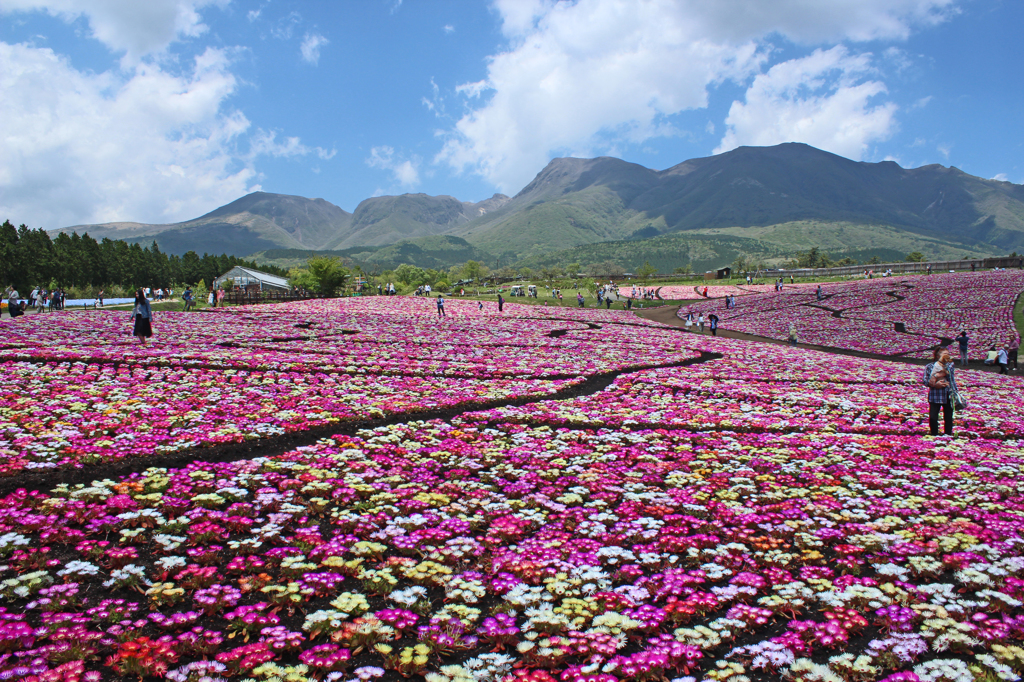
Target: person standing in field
13	302
700	322
501	303
1002	359
938	377
792	334
713	323
962	341
142	314
440	306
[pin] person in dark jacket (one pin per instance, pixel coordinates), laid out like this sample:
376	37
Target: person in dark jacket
501	303
962	340
142	315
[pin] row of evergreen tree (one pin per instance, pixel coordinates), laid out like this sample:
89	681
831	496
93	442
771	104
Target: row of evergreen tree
30	258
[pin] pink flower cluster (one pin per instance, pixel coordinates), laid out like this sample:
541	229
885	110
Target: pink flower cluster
78	392
738	511
886	315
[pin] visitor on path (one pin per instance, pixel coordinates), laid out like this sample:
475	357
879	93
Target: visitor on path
713	323
99	297
938	377
1002	359
962	340
579	299
991	356
688	324
501	303
188	299
13	302
792	334
700	322
32	297
819	292
440	306
142	315
211	300
1011	356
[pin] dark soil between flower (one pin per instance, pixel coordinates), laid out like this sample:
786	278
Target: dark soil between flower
277	445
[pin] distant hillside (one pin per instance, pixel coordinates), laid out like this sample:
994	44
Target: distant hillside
386	220
790	197
573	202
776	245
256	221
438	253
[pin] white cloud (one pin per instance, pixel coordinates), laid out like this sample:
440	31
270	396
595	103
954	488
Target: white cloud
405	171
136	27
578	78
1001	177
310	47
264	143
80	147
820	99
945	150
284	27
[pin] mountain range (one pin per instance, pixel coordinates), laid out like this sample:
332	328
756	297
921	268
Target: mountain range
768	201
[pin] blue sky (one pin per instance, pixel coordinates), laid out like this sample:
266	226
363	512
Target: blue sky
164	110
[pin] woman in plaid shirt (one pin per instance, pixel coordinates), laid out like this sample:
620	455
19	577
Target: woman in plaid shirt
939	393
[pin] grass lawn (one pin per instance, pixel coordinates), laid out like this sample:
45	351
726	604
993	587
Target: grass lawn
1018	315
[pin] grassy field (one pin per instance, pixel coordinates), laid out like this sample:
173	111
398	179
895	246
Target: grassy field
1018	315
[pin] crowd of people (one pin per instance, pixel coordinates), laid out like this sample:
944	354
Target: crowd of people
38	299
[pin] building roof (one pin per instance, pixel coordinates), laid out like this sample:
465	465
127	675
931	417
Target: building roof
264	278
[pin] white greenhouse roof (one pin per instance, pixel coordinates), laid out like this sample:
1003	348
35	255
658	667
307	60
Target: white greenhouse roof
249	276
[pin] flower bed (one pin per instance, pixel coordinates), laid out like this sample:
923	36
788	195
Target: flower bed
763	513
521	550
84	392
862	315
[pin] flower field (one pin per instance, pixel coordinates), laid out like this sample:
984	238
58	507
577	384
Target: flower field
898	316
78	390
605	499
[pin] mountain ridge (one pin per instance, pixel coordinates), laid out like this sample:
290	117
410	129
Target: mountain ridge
574	202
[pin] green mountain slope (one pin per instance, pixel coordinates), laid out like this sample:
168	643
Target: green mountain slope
437	252
257	221
389	219
790	196
573	202
773	245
